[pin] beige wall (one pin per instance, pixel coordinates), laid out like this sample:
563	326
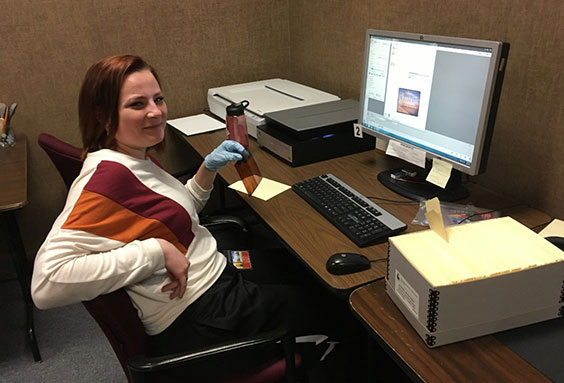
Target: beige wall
48	45
527	154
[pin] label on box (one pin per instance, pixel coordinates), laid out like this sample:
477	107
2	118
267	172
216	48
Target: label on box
407	294
241	259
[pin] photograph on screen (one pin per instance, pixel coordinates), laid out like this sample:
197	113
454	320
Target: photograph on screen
408	101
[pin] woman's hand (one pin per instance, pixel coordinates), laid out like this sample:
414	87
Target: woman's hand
226	152
177	266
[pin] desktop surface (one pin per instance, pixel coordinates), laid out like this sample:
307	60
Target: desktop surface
304	231
310	236
13	193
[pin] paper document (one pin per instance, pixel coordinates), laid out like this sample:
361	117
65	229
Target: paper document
265	190
406	152
196	124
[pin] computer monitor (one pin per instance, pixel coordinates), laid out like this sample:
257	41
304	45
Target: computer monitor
435	93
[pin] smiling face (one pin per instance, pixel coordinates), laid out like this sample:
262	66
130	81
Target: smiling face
142	114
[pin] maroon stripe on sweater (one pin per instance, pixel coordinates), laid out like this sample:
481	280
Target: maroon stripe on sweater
116	182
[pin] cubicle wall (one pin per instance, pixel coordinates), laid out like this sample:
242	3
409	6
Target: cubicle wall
46	47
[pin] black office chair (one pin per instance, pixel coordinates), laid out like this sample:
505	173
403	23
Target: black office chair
556	241
119	321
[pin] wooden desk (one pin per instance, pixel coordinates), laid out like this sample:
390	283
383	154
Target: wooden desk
13	196
482	359
308	234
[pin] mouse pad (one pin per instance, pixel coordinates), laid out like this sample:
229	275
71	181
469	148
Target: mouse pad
540	344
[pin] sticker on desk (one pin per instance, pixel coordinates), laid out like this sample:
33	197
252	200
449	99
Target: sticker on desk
241	259
407	294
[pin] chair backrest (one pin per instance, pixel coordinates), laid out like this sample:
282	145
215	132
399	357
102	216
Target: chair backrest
119	321
65	157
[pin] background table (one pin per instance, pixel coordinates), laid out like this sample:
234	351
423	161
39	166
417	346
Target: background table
482	359
13	196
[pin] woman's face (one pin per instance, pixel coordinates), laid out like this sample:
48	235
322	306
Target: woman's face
142	114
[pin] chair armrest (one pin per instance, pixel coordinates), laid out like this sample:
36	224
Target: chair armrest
224	221
139	366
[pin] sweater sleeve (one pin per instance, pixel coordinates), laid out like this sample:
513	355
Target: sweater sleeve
67	272
199	194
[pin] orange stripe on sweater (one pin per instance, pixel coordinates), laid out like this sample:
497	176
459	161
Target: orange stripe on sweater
98	215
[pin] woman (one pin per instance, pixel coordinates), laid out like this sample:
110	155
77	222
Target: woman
129	224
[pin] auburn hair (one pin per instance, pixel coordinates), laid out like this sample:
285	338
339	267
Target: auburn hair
99	97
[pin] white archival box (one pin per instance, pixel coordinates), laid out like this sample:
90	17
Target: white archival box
491	276
265	96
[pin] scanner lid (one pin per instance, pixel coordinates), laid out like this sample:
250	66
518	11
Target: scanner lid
316	116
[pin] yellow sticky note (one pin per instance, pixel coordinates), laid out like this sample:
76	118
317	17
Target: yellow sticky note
435	217
440	172
265	190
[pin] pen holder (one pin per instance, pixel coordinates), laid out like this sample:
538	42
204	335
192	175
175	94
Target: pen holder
7	139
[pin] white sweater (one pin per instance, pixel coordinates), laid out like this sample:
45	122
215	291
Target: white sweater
104	239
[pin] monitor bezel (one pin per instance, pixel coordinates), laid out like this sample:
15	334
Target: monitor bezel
489	104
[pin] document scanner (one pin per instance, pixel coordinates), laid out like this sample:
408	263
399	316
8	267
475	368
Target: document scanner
313	133
264	96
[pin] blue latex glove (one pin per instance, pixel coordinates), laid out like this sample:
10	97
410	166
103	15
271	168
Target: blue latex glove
226	152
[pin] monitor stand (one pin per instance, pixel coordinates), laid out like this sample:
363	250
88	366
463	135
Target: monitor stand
410	183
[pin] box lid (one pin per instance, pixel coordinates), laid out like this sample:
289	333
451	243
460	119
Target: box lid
476	250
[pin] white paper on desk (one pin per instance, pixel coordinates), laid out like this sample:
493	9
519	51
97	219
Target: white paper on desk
405	152
265	190
199	123
555	228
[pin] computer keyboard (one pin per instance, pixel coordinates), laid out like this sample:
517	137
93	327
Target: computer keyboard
359	218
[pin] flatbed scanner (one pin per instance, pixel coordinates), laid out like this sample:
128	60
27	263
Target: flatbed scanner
313	133
264	96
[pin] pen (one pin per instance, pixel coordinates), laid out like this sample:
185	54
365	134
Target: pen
10	111
5	122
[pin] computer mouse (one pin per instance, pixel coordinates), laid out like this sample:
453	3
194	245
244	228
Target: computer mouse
556	241
347	263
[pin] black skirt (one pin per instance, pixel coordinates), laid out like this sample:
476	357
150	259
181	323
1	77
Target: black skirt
231	308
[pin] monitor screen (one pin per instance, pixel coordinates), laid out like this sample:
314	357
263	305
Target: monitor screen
435	93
